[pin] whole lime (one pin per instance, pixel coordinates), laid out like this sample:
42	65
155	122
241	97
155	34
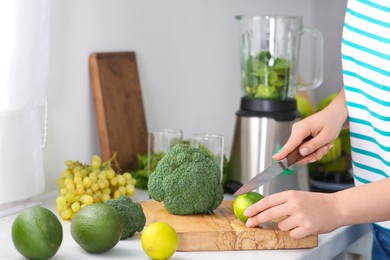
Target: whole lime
159	240
242	202
97	227
333	153
326	101
37	233
304	105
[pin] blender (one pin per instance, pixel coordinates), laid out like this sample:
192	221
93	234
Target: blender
270	48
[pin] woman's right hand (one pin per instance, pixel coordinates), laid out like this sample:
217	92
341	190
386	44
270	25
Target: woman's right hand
324	126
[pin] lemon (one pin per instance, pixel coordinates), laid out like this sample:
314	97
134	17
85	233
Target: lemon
97	227
37	233
244	201
159	240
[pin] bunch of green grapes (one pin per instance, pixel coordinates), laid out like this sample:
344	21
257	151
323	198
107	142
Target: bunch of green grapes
82	184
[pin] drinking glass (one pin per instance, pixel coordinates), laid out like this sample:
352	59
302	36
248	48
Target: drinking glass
214	143
160	141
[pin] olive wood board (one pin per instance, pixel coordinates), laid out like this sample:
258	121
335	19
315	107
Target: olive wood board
221	230
119	107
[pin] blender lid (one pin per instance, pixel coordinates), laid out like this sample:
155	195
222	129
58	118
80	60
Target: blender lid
280	110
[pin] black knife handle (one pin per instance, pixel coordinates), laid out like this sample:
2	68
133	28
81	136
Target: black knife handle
295	156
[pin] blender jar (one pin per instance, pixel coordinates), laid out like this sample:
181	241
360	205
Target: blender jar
269	56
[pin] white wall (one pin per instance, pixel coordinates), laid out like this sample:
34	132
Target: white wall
329	19
188	61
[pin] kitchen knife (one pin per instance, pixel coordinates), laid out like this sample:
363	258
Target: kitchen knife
272	171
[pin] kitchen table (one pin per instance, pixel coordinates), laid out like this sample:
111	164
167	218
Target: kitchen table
331	245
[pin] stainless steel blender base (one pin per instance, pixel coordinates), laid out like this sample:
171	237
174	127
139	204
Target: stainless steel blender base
256	140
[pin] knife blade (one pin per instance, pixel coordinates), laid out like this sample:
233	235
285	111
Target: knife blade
272	171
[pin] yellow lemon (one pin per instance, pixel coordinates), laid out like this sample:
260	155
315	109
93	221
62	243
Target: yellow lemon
244	201
159	240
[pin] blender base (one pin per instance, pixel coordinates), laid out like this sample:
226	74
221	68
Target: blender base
263	126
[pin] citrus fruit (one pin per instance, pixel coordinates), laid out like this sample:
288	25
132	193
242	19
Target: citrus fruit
304	105
326	101
345	141
244	201
159	240
37	233
97	227
338	165
334	153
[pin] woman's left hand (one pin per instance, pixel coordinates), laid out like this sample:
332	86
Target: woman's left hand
306	213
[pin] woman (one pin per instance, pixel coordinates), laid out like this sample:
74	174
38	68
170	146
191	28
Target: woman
364	105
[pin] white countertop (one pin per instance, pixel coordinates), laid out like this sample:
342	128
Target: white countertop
330	245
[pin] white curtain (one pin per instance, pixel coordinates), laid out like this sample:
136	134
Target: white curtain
24	57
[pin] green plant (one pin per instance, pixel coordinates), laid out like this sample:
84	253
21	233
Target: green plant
140	174
132	214
187	180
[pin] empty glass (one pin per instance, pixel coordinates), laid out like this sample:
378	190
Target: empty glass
214	143
159	142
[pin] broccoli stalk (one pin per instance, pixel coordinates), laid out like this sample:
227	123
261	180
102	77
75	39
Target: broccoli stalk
132	214
187	180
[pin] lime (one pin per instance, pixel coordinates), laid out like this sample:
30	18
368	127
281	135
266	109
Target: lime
304	105
244	201
334	153
326	101
345	141
338	165
159	240
37	233
97	227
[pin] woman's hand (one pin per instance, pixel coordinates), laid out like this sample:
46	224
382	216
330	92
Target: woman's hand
306	213
323	126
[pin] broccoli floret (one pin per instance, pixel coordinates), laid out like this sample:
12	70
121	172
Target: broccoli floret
187	180
132	214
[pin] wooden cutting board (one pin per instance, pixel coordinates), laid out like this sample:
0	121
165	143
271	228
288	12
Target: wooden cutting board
222	230
119	107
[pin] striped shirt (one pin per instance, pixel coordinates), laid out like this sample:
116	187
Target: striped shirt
366	70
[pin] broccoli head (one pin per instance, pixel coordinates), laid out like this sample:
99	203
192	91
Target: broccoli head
132	214
187	180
